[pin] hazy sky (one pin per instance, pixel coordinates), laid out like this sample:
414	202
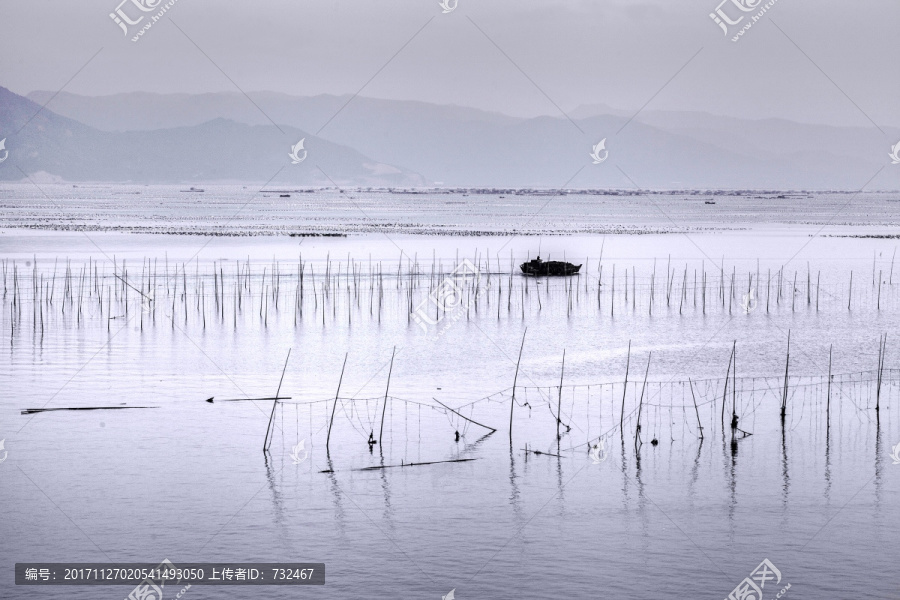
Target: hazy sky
613	52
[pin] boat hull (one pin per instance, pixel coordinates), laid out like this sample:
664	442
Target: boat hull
550	268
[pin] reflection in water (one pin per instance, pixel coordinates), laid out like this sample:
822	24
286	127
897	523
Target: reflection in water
625	478
642	507
695	471
879	461
468	448
559	482
336	493
514	495
828	463
385	488
786	480
277	501
732	484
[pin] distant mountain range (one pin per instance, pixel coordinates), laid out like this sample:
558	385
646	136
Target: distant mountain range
164	138
217	149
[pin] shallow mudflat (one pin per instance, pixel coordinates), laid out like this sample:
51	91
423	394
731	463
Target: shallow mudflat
243	210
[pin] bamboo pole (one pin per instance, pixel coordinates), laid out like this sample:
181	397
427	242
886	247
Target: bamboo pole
625	386
734	418
559	400
512	402
879	290
881	351
463	416
388	387
784	395
891	276
828	401
850	294
818	280
334	407
637	430
725	391
267	441
696	410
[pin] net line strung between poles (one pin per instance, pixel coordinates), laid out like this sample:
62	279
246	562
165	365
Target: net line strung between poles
752	392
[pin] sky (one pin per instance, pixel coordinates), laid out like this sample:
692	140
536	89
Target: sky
824	62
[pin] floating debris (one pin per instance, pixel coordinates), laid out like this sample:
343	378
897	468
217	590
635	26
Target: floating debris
539	453
212	399
31	411
406	464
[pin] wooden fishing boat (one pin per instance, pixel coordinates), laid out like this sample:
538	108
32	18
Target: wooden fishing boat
550	268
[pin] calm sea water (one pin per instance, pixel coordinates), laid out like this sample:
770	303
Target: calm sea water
188	480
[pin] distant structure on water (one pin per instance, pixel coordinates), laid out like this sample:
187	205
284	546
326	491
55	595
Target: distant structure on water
538	267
